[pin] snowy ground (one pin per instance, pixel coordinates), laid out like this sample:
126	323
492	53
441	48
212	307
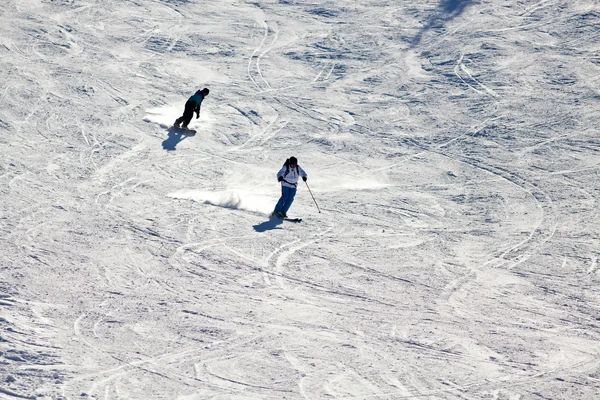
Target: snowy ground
451	145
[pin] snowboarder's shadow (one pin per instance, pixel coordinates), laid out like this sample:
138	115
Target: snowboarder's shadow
268	225
175	136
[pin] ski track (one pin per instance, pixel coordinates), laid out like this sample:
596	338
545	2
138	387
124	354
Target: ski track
526	248
455	256
461	67
256	63
535	7
461	283
126	367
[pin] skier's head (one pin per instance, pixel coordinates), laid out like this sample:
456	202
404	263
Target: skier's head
293	161
204	92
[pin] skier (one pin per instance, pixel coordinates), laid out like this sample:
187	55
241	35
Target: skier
288	176
191	106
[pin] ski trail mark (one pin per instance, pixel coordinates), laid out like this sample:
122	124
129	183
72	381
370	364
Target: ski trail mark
256	58
283	257
263	136
593	266
15	394
298	366
461	66
314	81
545	207
535	7
427	149
254	53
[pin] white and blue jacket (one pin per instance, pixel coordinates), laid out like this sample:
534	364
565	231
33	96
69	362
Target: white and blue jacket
290	175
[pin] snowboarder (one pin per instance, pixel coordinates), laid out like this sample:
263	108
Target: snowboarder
288	176
192	106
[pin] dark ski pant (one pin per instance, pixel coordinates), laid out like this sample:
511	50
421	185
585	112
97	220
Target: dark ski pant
188	114
286	199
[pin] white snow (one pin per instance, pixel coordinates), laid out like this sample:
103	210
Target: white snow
452	147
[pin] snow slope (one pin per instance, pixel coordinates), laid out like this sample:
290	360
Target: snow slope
451	145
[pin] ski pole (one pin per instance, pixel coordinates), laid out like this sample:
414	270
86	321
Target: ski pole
311	195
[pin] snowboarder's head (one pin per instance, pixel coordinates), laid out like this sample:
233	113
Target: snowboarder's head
293	161
204	92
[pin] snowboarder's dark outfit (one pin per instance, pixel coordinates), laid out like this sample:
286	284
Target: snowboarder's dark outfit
191	106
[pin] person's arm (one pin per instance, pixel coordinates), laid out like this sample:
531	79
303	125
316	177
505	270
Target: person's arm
302	173
280	174
199	98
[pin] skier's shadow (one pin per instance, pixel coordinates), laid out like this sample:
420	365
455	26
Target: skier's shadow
447	11
268	225
175	136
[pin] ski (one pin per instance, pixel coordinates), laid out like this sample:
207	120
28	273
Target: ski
286	218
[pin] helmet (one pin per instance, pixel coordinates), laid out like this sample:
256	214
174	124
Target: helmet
293	161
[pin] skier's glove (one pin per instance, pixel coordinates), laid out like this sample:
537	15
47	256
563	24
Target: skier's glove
280	178
304	178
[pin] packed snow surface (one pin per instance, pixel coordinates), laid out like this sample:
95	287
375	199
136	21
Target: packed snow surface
452	147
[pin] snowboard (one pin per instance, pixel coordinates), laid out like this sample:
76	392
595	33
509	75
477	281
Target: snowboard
188	131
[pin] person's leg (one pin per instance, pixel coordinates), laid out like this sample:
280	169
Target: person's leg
279	205
188	113
282	200
289	200
178	121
